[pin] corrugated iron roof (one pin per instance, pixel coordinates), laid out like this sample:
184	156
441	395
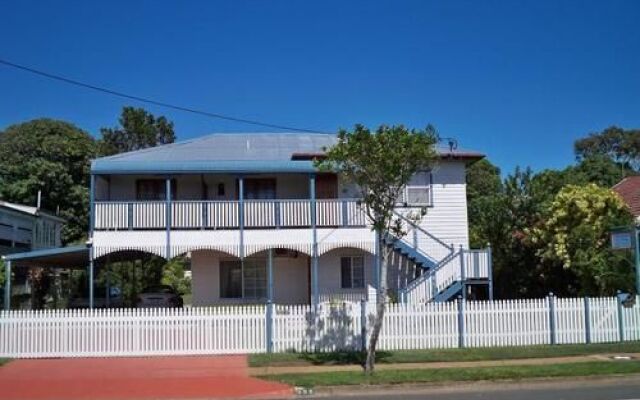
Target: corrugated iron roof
232	152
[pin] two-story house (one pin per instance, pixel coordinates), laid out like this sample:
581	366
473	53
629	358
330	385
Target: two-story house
261	223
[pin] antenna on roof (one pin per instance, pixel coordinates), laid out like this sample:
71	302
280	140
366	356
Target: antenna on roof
452	142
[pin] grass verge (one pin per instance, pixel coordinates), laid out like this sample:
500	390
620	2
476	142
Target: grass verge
387	377
3	361
425	356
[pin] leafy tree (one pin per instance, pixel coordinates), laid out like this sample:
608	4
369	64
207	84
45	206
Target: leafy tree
381	164
575	235
598	169
484	186
173	275
53	157
620	145
138	129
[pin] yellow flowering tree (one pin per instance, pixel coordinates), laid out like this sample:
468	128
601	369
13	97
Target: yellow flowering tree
575	235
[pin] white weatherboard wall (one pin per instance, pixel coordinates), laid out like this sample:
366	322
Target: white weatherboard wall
447	219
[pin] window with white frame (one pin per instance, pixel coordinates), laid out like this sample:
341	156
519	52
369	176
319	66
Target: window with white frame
352	272
418	190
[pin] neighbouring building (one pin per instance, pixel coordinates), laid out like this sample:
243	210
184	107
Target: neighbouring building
629	190
24	228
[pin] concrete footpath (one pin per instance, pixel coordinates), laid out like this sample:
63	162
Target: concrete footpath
305	369
589	388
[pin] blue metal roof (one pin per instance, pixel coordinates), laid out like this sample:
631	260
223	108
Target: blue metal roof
228	153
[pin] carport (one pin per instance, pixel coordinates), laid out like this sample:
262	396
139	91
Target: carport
63	257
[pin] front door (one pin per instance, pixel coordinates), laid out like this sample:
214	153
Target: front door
327	186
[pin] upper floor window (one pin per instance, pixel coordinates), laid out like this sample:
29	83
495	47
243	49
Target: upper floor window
418	190
259	189
154	189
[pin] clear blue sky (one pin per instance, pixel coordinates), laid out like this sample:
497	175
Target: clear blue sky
519	80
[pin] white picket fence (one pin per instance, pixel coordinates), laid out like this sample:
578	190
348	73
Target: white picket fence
328	327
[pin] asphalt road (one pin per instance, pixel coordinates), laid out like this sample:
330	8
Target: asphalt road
625	388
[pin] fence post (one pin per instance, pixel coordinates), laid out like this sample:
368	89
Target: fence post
461	302
552	318
620	316
415	238
463	273
7	286
587	320
490	270
363	323
269	323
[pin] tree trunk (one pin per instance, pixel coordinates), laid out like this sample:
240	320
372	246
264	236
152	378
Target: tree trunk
381	300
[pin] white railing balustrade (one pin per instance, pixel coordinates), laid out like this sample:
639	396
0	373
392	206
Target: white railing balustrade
476	264
112	215
329	213
186	214
222	214
226	214
448	271
149	215
295	213
259	214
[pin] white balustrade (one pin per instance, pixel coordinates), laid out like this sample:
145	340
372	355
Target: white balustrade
149	215
222	214
225	214
295	213
476	264
447	272
111	215
186	214
329	213
259	214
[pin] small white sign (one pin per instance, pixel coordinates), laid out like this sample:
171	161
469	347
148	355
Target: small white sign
621	240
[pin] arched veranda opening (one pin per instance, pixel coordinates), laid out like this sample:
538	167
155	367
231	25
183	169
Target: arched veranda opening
122	276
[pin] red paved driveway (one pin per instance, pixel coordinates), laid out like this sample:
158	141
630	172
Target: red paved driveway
134	378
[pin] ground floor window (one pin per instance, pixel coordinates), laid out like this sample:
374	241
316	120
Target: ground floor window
254	277
352	272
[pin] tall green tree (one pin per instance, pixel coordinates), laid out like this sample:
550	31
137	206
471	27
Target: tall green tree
381	163
620	145
139	129
53	157
484	187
